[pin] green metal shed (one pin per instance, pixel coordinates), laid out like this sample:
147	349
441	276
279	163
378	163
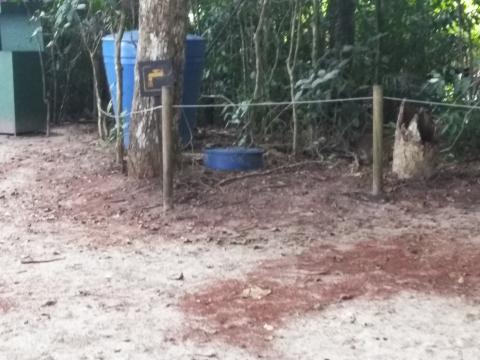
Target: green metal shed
22	109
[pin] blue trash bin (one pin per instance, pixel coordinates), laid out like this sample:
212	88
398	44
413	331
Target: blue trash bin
194	64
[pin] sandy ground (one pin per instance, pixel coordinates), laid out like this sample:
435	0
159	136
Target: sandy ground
299	264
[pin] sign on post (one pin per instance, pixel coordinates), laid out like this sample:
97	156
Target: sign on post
156	78
155	75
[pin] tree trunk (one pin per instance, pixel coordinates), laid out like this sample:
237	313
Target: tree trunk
346	23
332	21
119	75
341	14
257	41
415	150
379	52
315	33
295	36
259	49
161	36
101	122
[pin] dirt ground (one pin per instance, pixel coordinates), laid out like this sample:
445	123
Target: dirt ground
298	264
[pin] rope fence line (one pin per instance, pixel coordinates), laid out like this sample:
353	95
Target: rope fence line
434	103
237	105
292	103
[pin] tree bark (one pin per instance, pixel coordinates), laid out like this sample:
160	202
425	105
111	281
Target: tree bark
257	41
101	121
341	14
259	69
295	36
161	36
315	33
415	151
119	75
379	52
346	23
332	21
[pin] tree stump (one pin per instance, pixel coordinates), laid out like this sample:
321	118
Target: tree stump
415	152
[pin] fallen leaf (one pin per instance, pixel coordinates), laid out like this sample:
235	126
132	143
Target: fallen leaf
346	297
50	303
268	327
179	277
256	293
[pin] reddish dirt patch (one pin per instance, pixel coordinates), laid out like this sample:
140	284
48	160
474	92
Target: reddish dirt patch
324	275
5	306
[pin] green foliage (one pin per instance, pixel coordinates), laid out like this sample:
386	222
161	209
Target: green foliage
73	30
329	125
416	49
426	49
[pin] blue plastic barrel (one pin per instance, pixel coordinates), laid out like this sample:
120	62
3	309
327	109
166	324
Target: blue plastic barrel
194	64
234	159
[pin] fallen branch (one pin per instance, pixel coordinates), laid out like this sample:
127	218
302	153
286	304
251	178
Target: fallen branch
148	208
31	261
268	172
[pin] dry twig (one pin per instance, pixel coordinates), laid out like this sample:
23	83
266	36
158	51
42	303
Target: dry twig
28	261
268	172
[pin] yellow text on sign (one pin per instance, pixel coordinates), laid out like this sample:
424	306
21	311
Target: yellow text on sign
154	75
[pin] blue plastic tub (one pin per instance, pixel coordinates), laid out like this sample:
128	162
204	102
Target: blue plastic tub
194	64
234	159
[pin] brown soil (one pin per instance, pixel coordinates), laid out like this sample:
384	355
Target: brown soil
312	200
324	275
324	238
70	177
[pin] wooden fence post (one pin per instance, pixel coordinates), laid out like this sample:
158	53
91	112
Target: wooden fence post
377	140
167	144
